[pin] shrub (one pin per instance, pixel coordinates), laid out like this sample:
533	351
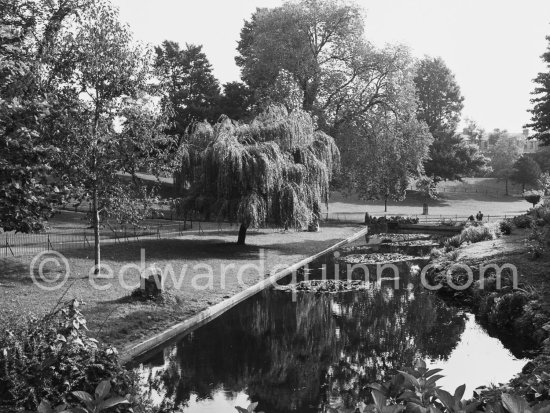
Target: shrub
453	255
541	214
536	241
522	221
533	197
505	227
452	243
49	358
416	390
473	234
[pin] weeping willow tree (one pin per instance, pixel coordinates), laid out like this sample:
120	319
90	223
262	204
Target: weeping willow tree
275	169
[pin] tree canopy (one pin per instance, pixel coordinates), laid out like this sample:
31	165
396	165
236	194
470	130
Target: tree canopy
439	96
503	154
526	171
440	105
31	109
540	112
275	169
191	93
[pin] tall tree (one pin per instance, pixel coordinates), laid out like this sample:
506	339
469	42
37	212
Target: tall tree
474	132
191	93
307	39
32	65
440	104
526	172
319	45
114	126
496	135
275	169
503	154
451	158
383	149
439	97
392	152
237	101
540	119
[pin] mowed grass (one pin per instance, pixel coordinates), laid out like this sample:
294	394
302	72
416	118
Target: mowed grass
455	199
117	319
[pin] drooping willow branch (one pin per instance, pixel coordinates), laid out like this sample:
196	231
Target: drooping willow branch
276	169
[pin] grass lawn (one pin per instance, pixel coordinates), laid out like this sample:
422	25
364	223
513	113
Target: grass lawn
115	318
464	202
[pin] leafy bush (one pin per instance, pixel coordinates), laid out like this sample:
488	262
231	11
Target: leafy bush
416	390
51	357
522	221
452	243
533	197
473	234
536	241
101	401
505	227
390	220
541	215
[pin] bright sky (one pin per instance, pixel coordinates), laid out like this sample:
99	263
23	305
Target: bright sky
492	46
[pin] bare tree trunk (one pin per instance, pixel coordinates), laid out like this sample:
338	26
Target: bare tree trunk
242	234
97	250
506	186
386	204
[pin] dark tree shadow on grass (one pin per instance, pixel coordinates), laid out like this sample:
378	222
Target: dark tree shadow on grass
191	249
13	270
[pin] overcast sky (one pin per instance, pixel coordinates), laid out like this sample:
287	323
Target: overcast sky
492	46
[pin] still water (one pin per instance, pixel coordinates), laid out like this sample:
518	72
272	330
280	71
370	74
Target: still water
315	351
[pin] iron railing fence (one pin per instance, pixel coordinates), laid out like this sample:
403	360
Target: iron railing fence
60	239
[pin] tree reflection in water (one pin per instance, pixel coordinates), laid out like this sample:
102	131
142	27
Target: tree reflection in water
298	356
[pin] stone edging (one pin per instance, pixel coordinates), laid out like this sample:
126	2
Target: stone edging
216	310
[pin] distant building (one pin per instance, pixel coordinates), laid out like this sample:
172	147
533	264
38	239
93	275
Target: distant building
522	139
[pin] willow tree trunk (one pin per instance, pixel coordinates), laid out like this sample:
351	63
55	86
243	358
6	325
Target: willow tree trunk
242	234
97	249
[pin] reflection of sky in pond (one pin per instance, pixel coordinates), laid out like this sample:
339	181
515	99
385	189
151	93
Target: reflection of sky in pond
477	360
323	350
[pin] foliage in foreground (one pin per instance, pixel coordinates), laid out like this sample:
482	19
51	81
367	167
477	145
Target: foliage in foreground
51	358
415	390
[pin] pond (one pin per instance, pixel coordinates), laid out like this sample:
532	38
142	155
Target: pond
305	352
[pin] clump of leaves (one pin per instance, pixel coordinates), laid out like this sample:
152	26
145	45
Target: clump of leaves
416	390
479	233
101	401
48	358
505	227
522	221
536	241
533	197
452	243
250	409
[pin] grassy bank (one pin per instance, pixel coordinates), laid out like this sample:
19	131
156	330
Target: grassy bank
523	311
